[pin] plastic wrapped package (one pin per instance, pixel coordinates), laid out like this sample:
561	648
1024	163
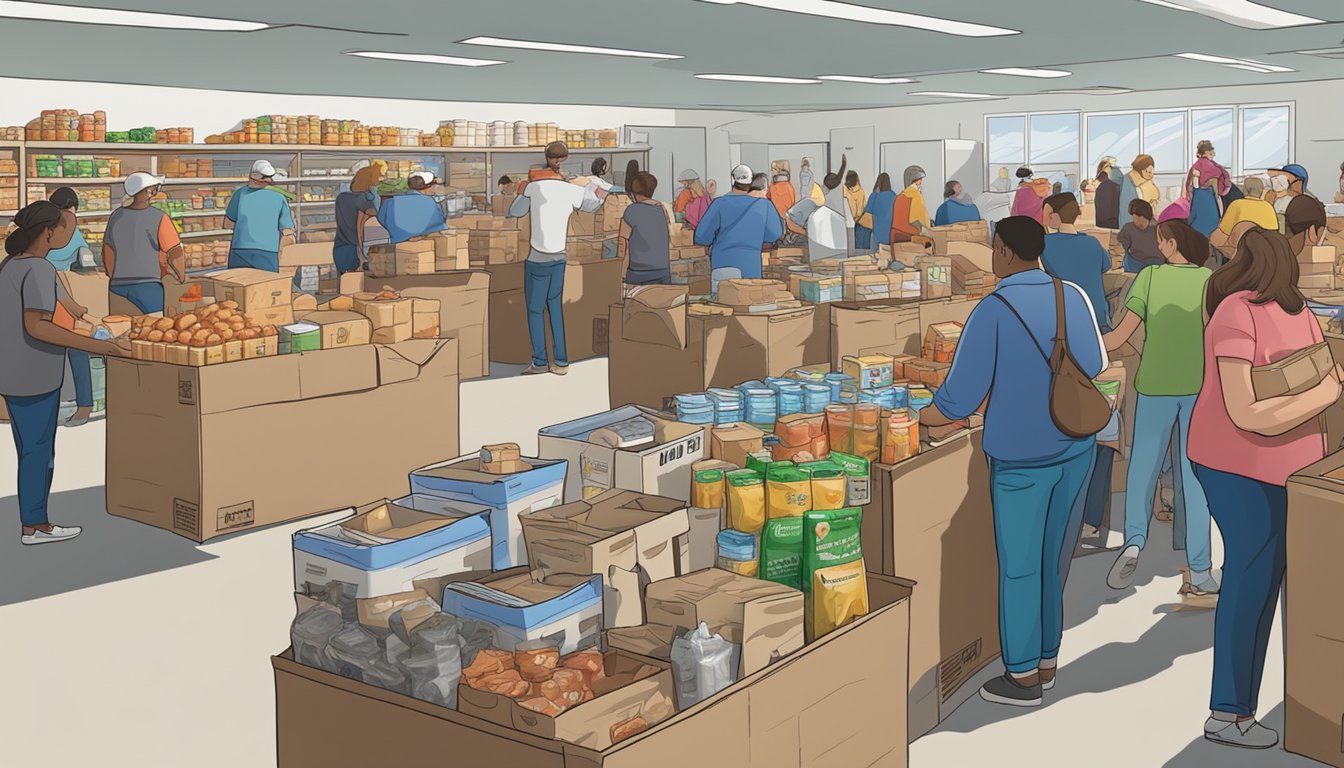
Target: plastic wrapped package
694	409
883	397
833	578
387	676
353	650
829	484
788	395
737	553
840	427
476	636
728	405
782	552
707	489
745	500
761	404
310	634
434	665
816	397
920	398
703	665
788	491
900	439
867	431
405	620
395	650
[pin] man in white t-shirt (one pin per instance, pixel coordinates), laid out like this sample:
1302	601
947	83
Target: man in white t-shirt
551	199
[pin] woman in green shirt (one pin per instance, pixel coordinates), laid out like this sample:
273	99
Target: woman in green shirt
1168	300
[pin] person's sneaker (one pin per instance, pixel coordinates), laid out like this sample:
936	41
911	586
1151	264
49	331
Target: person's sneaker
533	370
1047	677
1006	690
57	533
1204	583
560	370
1126	565
1247	734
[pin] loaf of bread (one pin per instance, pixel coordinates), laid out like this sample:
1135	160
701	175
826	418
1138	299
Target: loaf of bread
589	662
627	728
543	706
488	662
537	664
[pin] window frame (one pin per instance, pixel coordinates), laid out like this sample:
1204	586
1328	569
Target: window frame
1292	134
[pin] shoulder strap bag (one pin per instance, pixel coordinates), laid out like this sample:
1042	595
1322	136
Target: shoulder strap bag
1077	407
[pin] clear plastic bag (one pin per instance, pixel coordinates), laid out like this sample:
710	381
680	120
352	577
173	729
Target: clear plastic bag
703	664
310	634
353	650
434	665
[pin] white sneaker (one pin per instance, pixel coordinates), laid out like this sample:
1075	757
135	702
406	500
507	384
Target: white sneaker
57	533
1247	734
1126	565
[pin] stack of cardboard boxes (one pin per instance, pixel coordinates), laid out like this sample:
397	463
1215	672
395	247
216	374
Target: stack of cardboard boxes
1317	267
445	251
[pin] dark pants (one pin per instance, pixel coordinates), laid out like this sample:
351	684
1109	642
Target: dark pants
254	259
543	290
1098	492
82	375
345	257
147	297
1253	518
32	419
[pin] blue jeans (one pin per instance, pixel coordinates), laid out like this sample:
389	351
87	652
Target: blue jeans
345	257
82	376
254	258
1253	518
1154	419
1033	508
719	275
32	419
147	297
543	290
1096	496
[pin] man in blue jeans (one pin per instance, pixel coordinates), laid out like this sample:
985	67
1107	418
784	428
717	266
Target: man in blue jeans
551	198
1036	472
138	240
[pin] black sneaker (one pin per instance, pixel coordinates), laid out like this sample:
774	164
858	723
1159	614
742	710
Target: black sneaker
1006	690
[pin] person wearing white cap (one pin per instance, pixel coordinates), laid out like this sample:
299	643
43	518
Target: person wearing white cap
415	212
138	242
735	228
262	221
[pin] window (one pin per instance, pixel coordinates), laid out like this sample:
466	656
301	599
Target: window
1054	139
1265	138
1215	125
1007	140
1112	136
1164	139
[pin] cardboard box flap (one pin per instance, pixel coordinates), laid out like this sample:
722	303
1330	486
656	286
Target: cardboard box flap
651	640
90	289
656	314
337	371
403	362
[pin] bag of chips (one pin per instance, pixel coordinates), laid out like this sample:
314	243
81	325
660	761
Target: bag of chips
745	499
782	552
828	484
707	489
836	591
788	491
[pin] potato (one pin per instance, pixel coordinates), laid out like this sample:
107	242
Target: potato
170	336
198	343
269	331
227	334
229	304
185	321
219	326
155	335
213	308
213	339
202	334
247	334
224	314
163	323
237	324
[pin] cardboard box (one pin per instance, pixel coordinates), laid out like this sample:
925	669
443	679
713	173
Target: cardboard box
611	535
930	520
255	290
207	451
813	708
341	329
766	618
1313	625
464	312
883	327
1294	374
661	467
304	254
734	442
631	687
655	314
590	290
869	371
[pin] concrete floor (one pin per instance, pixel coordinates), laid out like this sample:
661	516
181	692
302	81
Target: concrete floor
134	647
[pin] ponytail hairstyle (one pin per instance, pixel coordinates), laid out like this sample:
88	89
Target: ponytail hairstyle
32	221
631	170
599	167
65	199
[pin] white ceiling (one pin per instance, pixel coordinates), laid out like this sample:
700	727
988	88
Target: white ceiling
1116	43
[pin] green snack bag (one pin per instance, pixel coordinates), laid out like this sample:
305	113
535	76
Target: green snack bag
782	551
833	579
858	486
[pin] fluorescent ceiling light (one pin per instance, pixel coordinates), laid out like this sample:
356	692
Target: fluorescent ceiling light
1027	72
953	95
112	17
760	79
833	9
425	58
1242	13
1246	64
866	80
1100	90
529	45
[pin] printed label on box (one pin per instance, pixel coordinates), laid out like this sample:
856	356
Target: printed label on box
186	517
186	388
691	446
595	473
236	516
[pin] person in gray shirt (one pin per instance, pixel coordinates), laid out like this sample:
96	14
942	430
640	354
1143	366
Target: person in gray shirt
136	236
645	239
33	349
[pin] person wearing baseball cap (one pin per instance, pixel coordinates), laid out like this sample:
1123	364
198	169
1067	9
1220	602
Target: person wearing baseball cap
262	220
139	241
414	213
735	228
1287	182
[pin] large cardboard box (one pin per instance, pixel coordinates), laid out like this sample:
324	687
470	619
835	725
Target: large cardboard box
815	708
207	451
255	290
930	521
464	312
889	327
590	290
1313	624
612	535
661	467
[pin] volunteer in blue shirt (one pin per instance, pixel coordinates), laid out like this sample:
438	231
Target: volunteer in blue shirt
735	228
1074	257
1036	472
73	257
957	206
262	221
414	213
880	206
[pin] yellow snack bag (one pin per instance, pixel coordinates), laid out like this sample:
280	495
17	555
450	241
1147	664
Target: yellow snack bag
833	579
829	484
744	494
788	491
707	491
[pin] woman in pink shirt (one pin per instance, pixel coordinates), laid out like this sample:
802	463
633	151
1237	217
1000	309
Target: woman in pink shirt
1243	451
